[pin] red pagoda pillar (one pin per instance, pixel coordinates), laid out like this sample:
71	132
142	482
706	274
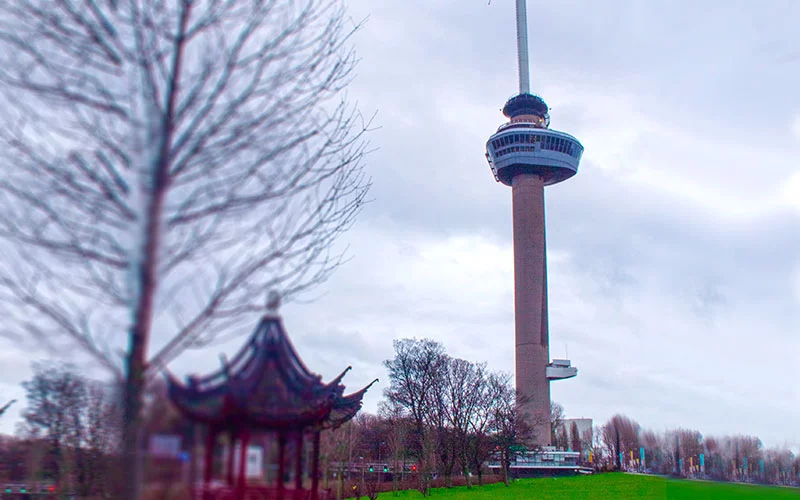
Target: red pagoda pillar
231	453
315	468
192	472
281	462
298	466
242	483
211	439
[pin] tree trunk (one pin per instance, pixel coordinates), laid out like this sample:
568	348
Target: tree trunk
396	477
147	275
134	383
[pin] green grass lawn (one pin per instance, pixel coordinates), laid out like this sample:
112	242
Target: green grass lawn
606	487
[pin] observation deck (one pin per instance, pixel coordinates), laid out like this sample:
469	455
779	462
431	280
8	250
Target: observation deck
526	145
560	369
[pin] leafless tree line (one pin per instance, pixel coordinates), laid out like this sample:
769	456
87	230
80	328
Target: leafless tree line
69	434
618	444
165	165
451	414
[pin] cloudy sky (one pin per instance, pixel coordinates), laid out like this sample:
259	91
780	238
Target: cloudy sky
674	254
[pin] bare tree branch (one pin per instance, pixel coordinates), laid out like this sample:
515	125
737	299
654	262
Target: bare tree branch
167	164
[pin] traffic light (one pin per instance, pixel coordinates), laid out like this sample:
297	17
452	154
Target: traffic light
9	490
371	468
414	468
23	490
385	468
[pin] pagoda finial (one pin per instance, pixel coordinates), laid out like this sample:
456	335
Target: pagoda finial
273	302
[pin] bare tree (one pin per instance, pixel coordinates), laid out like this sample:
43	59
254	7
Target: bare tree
691	445
621	435
55	396
465	388
397	438
558	431
509	427
169	161
414	373
480	445
651	442
75	420
598	449
440	435
100	442
338	446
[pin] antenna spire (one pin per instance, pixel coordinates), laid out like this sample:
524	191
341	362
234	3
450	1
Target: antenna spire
522	47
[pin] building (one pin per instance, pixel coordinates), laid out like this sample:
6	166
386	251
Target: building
548	461
527	155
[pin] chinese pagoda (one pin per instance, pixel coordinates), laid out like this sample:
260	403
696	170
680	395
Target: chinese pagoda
264	390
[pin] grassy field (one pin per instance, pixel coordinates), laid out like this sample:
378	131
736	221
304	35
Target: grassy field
606	487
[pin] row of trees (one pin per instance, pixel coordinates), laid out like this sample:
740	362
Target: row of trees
619	442
446	416
71	431
449	415
69	434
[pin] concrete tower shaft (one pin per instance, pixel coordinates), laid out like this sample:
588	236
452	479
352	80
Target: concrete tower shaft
530	304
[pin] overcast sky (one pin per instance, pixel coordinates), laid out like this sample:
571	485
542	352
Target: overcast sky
674	254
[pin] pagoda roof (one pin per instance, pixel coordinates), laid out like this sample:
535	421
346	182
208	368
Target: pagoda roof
266	386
